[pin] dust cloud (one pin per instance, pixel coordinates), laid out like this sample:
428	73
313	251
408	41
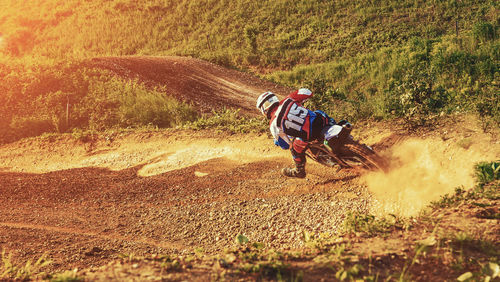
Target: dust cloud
422	171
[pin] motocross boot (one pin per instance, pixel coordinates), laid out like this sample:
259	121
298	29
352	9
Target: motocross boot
298	171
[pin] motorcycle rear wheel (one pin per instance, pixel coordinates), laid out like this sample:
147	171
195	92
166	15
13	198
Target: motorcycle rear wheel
321	154
356	154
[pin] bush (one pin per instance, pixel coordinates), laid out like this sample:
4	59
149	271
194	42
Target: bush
487	172
484	31
416	81
138	106
60	97
115	102
28	127
229	120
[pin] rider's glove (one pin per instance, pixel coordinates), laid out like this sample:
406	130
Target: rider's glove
344	122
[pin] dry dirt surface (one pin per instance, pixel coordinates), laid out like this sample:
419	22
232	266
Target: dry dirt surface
168	192
206	85
142	193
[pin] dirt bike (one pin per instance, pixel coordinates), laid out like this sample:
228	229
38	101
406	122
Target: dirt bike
345	152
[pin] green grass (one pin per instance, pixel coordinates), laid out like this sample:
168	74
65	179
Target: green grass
44	97
279	33
229	120
415	80
358	222
487	172
255	258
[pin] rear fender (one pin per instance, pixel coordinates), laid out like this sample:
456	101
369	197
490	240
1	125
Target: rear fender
337	135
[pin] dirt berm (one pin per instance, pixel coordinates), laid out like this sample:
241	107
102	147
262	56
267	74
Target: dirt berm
207	85
141	193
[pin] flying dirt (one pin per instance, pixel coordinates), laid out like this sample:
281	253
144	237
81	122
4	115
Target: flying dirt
425	169
173	191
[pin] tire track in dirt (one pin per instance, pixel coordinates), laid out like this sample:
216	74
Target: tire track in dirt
171	211
206	85
77	232
192	198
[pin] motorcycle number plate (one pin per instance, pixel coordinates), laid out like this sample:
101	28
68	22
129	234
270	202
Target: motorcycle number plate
333	131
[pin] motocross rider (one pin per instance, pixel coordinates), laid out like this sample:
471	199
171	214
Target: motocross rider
293	126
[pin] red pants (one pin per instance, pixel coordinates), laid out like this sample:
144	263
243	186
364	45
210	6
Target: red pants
299	151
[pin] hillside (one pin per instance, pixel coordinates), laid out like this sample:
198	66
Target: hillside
379	59
267	34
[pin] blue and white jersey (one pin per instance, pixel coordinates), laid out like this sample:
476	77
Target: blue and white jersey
292	120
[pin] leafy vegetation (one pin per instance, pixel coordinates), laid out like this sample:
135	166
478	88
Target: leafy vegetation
46	98
487	172
9	269
369	224
488	184
229	120
421	78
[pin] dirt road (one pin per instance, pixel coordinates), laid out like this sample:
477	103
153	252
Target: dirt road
169	192
204	84
175	191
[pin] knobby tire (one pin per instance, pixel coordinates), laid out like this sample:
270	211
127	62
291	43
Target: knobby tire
369	158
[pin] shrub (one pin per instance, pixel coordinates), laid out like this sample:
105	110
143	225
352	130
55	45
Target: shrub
29	126
484	31
59	97
140	106
487	172
229	120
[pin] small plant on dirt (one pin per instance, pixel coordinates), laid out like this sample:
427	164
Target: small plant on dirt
450	200
333	254
128	257
171	264
488	272
464	241
487	176
255	258
460	239
9	270
66	276
487	172
371	225
242	239
339	261
321	242
349	273
421	249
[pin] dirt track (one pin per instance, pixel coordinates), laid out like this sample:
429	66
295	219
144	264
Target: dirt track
173	191
206	85
86	215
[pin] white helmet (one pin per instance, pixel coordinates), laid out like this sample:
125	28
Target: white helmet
266	101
